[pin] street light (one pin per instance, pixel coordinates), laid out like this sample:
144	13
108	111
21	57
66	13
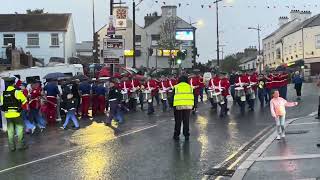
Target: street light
258	29
217	16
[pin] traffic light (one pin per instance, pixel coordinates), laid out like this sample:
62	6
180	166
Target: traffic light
179	61
182	54
150	50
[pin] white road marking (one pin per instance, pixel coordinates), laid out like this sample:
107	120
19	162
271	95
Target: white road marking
310	123
292	157
72	150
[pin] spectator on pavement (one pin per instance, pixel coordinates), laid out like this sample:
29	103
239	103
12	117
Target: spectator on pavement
278	111
297	80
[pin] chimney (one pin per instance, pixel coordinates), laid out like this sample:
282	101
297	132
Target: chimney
305	15
295	14
169	11
150	18
283	20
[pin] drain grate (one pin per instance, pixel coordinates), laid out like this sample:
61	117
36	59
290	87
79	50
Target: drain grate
297	132
220	172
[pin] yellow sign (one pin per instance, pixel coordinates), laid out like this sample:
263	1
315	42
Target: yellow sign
128	53
167	53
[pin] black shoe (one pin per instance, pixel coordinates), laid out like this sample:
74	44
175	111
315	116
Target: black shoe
107	124
176	138
23	148
251	109
317	117
186	138
318	145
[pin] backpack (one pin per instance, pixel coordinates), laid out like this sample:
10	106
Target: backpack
10	102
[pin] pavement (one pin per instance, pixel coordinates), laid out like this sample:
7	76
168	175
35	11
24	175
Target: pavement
295	157
142	147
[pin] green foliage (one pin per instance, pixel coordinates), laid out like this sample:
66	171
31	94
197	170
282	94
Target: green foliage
35	11
230	63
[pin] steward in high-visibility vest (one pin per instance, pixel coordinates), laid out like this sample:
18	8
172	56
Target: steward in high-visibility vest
183	102
183	95
12	101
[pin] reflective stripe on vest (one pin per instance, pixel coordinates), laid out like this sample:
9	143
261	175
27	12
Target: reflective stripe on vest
183	95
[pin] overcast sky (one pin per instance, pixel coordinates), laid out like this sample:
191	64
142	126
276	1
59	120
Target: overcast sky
234	21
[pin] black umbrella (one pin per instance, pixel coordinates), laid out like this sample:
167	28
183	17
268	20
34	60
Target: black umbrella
55	75
81	77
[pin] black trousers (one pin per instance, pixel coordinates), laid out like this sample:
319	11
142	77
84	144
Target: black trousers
319	108
181	116
298	89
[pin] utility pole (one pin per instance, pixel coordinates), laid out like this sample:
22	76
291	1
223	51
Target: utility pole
111	14
259	46
134	33
217	16
94	47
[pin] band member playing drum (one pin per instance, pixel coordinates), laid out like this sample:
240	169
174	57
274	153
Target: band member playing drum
212	88
135	86
163	90
151	86
125	87
250	90
240	91
171	83
195	84
225	93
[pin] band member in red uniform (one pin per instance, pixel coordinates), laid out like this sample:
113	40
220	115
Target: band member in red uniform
52	91
269	85
152	86
163	92
94	97
171	83
214	86
85	91
253	78
35	104
242	82
125	87
202	86
195	84
101	93
134	87
225	93
284	84
156	95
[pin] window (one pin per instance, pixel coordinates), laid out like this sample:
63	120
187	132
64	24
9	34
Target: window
318	41
55	39
154	39
268	46
273	56
290	49
278	54
272	44
138	40
295	47
33	39
8	39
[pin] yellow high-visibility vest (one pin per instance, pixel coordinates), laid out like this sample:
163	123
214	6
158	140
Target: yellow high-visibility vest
183	95
20	96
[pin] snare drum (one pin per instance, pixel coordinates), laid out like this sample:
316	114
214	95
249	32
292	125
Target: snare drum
125	96
239	92
163	95
249	90
217	97
210	93
134	95
147	96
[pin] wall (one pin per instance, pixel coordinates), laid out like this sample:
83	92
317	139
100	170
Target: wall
312	54
293	47
43	51
70	41
250	65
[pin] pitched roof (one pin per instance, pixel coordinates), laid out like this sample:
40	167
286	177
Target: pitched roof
34	22
279	29
313	21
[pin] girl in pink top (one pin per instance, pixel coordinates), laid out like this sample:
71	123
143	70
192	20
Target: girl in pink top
278	111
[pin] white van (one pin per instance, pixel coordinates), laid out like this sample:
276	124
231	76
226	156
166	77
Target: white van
37	73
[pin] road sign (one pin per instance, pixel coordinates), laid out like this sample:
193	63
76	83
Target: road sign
111	60
111	30
113	50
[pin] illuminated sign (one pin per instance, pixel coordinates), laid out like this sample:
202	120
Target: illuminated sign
129	53
167	53
184	35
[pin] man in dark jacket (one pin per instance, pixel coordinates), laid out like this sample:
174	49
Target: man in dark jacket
114	102
70	108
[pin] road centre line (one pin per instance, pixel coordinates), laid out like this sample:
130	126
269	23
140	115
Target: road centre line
72	150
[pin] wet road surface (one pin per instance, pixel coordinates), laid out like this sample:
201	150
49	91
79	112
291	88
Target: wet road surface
142	148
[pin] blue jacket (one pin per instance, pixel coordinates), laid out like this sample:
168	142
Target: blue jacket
297	79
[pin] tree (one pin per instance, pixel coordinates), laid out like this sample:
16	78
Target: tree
35	11
168	35
230	63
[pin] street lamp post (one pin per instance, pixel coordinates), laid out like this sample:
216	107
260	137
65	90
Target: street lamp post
258	29
217	16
